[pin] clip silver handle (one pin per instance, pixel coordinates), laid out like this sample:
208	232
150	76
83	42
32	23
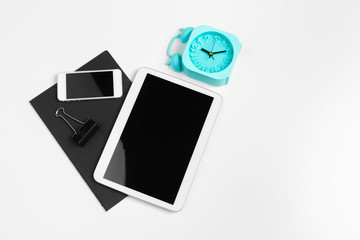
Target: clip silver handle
61	109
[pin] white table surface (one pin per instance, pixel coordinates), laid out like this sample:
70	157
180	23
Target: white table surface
282	161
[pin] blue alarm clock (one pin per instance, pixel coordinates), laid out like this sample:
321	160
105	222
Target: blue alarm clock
209	55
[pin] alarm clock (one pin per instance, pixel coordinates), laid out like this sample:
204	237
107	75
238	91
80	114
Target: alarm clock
209	55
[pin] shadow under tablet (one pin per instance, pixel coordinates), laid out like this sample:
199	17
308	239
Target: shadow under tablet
159	138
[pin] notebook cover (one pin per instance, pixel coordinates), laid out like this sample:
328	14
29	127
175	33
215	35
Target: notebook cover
104	112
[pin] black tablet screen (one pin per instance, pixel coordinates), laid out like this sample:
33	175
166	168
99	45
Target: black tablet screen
159	138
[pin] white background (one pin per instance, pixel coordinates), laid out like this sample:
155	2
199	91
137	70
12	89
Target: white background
282	161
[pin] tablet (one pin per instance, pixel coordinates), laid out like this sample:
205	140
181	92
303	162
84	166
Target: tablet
158	139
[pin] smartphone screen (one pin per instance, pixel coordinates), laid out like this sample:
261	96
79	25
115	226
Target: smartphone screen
89	85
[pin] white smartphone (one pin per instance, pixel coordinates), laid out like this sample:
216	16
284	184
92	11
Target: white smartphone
88	85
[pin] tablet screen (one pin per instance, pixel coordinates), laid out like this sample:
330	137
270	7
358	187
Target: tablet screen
159	138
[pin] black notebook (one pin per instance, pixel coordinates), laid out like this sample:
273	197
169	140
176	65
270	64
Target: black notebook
104	112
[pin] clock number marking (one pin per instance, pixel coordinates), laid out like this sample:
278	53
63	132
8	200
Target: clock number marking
207	38
227	60
199	41
223	44
194	58
196	64
195	47
229	51
205	69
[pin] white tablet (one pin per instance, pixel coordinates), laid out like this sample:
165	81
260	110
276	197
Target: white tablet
158	139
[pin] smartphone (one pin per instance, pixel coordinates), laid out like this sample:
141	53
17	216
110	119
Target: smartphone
89	85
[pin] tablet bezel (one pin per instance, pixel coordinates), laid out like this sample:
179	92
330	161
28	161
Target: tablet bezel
120	125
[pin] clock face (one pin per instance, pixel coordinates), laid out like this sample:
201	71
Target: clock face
211	52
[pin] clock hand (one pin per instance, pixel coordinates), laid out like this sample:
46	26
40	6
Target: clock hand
210	53
218	52
205	50
212	48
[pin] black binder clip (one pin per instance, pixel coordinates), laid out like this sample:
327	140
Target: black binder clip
84	132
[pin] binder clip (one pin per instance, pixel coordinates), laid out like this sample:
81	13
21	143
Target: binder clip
84	132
